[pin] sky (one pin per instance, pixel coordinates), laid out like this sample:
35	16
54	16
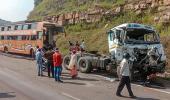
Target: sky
15	10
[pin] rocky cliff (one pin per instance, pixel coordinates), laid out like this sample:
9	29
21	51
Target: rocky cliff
160	9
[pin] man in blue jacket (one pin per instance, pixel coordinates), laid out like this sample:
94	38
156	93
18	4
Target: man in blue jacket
39	62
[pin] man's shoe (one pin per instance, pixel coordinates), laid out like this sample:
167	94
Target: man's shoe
60	81
119	95
132	96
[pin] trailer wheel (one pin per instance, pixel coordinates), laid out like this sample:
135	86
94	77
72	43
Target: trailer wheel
66	61
84	65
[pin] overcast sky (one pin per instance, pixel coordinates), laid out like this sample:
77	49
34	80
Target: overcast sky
15	10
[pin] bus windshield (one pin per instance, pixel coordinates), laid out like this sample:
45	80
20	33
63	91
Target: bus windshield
140	36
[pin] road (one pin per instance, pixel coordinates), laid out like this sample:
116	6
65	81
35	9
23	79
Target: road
19	81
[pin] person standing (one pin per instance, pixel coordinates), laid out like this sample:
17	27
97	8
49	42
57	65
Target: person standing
39	62
36	50
125	79
72	65
82	46
57	61
77	46
49	56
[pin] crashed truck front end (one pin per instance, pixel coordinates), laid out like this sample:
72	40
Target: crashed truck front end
143	44
147	52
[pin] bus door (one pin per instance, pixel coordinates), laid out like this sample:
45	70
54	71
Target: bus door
50	35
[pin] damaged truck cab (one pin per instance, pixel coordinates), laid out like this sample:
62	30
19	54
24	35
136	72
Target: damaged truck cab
142	42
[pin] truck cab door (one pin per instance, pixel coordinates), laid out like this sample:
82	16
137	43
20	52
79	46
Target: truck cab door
115	40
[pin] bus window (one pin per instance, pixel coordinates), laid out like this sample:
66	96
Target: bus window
33	37
5	37
20	27
27	37
34	26
24	37
29	26
2	28
25	27
16	27
39	35
15	37
9	28
8	37
11	37
19	37
1	37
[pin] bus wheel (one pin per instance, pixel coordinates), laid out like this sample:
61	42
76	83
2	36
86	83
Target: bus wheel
32	54
66	61
6	50
84	65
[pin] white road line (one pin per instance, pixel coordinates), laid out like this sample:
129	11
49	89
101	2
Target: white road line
154	89
162	91
70	96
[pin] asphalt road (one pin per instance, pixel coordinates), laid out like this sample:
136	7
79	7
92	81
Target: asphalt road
19	81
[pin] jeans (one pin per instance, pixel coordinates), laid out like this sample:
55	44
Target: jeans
39	68
57	73
50	69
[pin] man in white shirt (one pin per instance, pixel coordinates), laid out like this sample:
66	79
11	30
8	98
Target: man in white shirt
125	79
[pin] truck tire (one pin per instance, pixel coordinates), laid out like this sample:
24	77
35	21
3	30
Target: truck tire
66	61
111	70
84	65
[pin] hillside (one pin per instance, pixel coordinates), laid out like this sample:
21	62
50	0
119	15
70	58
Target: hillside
3	22
90	19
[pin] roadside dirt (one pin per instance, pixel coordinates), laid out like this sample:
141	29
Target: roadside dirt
166	43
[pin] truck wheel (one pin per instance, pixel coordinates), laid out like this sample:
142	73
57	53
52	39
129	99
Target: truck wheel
84	65
110	69
66	61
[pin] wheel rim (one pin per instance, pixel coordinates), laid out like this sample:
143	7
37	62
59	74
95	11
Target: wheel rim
83	64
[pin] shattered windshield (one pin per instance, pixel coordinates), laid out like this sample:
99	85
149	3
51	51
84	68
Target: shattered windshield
141	36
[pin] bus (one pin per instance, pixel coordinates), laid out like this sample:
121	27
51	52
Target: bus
23	37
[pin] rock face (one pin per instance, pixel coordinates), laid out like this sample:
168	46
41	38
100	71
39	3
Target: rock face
161	7
92	15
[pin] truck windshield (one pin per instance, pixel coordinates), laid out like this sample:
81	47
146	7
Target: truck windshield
140	36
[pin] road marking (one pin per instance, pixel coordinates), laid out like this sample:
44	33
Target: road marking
70	96
153	89
162	91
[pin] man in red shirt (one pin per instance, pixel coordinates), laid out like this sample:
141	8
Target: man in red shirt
57	60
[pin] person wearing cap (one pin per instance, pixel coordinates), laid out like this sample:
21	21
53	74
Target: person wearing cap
82	46
72	65
125	79
39	62
57	61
